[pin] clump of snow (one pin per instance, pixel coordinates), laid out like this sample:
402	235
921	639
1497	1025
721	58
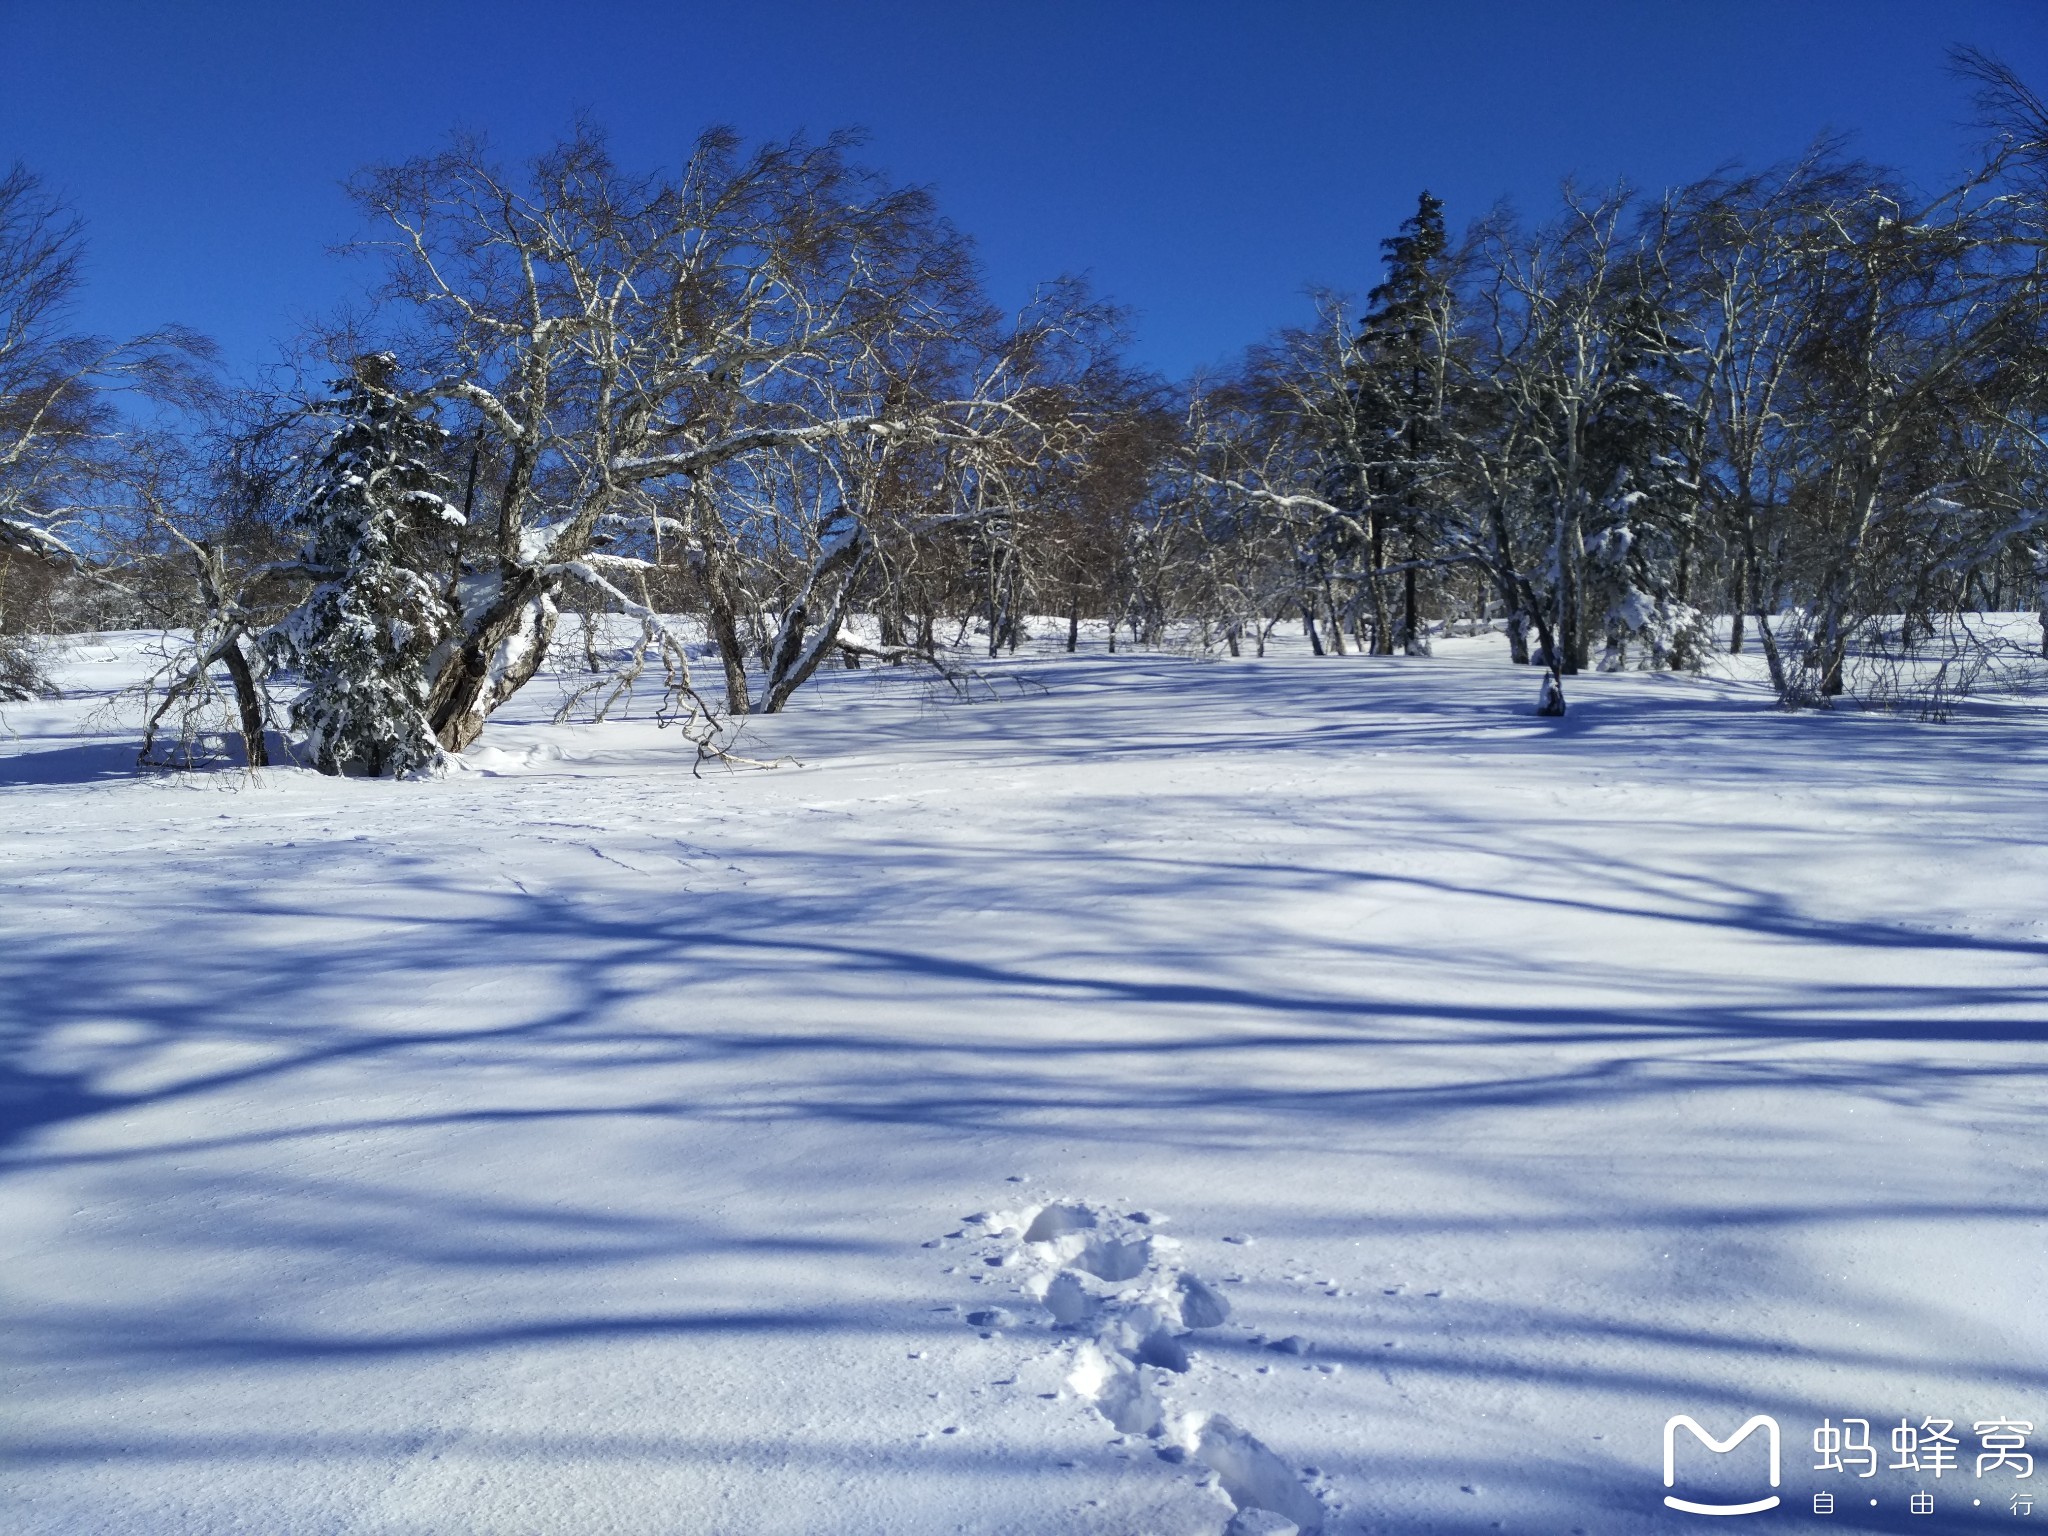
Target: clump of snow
1251	1474
1056	1221
1200	1306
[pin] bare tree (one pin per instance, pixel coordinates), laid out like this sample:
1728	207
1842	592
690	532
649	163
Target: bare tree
773	364
59	436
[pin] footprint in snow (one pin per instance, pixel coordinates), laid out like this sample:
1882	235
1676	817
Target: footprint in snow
1117	1282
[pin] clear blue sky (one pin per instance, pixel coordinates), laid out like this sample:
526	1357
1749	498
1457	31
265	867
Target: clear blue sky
1201	161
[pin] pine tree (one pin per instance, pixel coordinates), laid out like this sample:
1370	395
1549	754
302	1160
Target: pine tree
1401	399
362	638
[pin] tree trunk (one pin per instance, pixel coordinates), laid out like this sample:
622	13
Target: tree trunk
1382	621
725	634
504	647
247	705
891	619
1550	698
1514	593
1574	641
1772	659
1740	596
797	652
1518	636
1834	659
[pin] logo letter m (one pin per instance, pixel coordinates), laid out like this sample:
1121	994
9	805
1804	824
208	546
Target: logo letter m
1720	1447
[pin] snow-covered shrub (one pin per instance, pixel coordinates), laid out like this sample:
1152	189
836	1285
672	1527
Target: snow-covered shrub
21	672
1643	625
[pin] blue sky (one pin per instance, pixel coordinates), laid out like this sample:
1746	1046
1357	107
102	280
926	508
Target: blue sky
1202	162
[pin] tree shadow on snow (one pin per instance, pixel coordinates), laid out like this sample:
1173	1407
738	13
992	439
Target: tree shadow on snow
1159	989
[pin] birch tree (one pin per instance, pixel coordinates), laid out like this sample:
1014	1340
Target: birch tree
60	434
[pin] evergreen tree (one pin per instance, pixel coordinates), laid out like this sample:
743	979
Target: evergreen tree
1401	401
362	639
1408	308
1635	581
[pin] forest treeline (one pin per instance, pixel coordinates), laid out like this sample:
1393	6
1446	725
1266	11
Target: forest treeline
760	416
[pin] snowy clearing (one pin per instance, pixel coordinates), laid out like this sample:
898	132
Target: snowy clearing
1318	1090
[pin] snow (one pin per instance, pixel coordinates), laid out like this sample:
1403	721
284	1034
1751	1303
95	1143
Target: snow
579	1142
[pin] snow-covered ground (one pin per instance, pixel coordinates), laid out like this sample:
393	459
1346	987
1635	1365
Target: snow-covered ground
579	1144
